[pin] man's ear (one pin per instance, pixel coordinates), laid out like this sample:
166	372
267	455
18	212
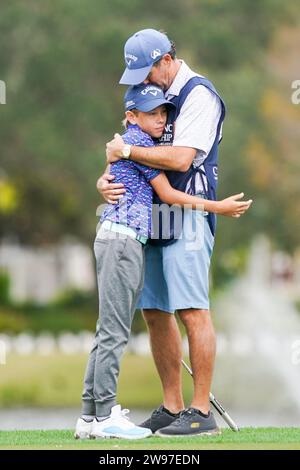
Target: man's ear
131	117
167	58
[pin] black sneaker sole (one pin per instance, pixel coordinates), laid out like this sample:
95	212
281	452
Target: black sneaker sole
212	432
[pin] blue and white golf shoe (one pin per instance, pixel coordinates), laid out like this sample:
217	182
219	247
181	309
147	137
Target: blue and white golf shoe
118	425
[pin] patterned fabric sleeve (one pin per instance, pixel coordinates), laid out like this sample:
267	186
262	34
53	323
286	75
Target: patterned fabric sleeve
149	173
135	136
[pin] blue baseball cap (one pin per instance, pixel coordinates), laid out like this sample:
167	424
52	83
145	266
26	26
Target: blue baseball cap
144	98
141	51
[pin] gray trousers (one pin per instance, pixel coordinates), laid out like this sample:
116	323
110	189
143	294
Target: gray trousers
120	276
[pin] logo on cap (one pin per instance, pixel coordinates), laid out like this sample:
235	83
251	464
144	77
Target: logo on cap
129	58
129	103
150	89
155	53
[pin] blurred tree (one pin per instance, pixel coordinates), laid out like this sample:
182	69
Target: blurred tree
8	197
61	61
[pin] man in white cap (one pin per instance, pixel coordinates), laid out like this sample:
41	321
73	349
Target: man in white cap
176	278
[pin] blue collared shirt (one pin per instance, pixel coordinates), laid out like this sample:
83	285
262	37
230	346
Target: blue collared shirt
134	209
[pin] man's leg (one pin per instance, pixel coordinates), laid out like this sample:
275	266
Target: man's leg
165	340
186	268
197	420
202	349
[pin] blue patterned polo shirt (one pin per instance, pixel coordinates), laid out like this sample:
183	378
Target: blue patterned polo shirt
134	209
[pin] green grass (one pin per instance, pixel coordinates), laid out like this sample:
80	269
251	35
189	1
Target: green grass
57	380
247	438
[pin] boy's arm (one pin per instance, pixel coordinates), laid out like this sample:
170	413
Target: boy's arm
229	206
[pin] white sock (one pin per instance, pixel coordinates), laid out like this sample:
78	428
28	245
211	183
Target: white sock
88	418
101	418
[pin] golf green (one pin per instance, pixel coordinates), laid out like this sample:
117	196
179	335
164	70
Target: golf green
247	438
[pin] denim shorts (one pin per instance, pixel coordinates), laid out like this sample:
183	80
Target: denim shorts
177	276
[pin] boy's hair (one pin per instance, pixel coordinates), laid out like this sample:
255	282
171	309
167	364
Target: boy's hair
125	121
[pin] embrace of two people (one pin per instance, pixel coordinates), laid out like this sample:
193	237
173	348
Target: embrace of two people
168	154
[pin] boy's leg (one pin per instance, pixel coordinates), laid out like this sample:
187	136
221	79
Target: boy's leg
120	278
88	402
84	424
101	249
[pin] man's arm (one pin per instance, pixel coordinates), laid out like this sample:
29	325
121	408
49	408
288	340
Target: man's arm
111	192
201	111
161	157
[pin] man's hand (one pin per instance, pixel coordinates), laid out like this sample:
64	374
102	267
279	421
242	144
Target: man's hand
111	192
232	207
114	149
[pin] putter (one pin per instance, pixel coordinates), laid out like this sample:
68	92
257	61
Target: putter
216	404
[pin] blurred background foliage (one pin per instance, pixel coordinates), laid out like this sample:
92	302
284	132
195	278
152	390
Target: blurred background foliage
61	61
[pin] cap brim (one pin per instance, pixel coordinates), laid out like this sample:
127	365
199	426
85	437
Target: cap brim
150	105
135	76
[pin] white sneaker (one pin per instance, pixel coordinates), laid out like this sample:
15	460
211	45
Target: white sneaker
83	429
118	425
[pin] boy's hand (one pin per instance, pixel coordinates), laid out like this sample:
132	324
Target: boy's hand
232	207
111	192
114	149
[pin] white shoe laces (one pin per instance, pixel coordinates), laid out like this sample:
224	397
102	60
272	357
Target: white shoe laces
126	420
124	413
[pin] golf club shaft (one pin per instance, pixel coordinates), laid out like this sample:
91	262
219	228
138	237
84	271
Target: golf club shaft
216	404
